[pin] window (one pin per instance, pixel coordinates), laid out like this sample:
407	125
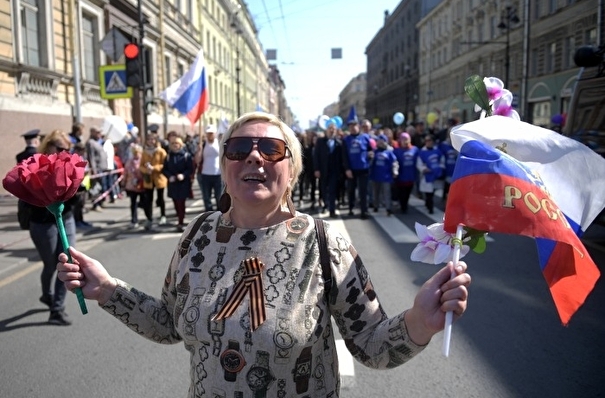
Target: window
190	9
552	6
534	63
591	36
167	70
480	32
551	57
213	56
493	27
90	57
568	61
33	51
537	9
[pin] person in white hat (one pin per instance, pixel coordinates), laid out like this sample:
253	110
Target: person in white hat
208	172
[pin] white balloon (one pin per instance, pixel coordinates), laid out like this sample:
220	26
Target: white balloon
323	122
398	118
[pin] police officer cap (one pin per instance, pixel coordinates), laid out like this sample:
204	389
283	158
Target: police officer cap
153	128
31	134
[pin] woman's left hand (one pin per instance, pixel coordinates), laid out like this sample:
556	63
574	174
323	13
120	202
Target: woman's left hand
440	294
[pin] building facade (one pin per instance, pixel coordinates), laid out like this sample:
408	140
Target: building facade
51	53
354	94
529	45
393	63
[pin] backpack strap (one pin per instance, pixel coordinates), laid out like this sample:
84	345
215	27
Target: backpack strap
324	256
196	227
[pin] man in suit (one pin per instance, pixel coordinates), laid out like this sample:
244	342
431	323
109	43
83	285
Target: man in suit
330	160
31	141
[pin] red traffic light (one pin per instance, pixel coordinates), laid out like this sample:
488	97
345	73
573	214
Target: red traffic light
131	50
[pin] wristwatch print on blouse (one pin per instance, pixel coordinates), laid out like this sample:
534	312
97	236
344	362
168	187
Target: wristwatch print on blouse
232	360
283	339
259	376
302	370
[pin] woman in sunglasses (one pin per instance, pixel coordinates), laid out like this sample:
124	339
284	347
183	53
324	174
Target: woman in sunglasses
45	235
248	296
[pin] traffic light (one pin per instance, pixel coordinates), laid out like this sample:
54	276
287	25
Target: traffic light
133	65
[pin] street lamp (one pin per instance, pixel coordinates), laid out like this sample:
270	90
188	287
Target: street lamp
236	25
510	17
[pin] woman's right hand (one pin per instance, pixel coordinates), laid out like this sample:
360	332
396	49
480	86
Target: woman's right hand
86	273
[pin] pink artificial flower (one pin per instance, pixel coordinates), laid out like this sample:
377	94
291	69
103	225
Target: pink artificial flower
435	245
502	106
494	86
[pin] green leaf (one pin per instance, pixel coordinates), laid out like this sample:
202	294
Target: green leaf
478	244
476	90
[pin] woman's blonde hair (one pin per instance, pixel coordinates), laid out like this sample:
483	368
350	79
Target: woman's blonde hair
57	138
294	147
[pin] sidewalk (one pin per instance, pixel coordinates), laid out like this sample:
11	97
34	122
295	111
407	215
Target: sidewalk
17	248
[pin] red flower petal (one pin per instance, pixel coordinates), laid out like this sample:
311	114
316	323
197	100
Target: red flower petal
45	179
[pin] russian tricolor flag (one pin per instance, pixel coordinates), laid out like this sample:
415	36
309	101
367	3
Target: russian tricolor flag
189	95
513	177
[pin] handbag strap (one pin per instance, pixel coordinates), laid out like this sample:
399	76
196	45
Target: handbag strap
196	226
324	256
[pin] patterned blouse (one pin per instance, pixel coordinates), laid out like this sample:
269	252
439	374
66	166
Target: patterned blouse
211	301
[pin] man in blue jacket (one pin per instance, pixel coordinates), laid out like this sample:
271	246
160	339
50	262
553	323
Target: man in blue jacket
359	151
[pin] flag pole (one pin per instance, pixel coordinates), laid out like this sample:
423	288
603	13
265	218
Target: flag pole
449	316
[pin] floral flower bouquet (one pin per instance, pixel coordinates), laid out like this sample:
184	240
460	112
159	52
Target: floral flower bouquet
48	181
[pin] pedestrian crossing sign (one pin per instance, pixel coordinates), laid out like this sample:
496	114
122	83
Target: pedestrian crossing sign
113	82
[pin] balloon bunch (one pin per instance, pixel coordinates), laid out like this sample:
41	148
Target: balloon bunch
325	121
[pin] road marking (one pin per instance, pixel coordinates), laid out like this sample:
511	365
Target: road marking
346	364
10	279
397	230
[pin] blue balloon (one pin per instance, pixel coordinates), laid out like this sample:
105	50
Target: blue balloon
129	126
337	121
398	118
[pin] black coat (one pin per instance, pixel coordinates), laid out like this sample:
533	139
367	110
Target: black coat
325	162
29	151
178	163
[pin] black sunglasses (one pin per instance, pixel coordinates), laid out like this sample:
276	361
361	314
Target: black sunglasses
60	148
270	149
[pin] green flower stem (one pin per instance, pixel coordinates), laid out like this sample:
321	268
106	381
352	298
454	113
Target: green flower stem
57	210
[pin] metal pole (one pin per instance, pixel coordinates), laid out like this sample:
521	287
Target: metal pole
524	83
507	60
142	56
237	80
75	49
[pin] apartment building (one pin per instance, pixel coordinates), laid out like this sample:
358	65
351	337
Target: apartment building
51	53
529	45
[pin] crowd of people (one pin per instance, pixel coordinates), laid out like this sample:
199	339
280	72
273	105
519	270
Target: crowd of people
366	167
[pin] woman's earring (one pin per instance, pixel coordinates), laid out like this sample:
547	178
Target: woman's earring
290	203
224	202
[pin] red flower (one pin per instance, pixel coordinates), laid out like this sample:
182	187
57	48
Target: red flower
43	180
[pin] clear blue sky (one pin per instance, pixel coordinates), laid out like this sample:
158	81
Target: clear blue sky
304	31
